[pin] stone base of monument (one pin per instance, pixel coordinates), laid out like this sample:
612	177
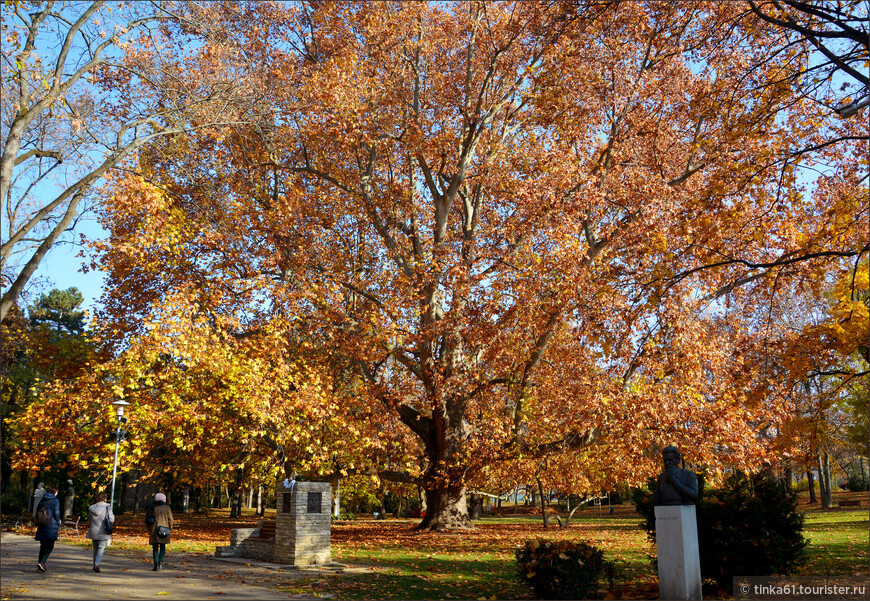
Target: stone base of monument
677	549
303	524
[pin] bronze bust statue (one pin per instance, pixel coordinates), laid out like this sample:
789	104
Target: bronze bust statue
676	485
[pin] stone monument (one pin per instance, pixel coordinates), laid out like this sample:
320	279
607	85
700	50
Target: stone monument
37	496
68	499
303	523
677	530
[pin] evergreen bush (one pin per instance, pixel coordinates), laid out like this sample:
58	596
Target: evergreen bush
857	480
14	501
560	569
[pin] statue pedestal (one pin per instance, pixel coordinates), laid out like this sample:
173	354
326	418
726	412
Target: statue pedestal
677	548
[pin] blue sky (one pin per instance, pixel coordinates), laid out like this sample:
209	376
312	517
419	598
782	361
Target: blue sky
61	269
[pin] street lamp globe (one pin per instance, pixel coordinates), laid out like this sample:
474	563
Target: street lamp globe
119	407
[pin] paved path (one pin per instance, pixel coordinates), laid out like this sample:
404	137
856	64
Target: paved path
128	575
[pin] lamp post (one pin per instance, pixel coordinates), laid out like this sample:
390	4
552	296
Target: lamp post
119	407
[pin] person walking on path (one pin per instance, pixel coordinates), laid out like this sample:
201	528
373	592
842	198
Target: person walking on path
47	534
163	519
98	514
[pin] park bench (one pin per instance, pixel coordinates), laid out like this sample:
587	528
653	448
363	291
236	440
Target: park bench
848	503
25	520
71	522
266	531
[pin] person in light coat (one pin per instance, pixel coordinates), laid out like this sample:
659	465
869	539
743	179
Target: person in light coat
162	516
48	535
98	513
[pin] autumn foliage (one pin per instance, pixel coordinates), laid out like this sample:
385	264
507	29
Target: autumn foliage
458	244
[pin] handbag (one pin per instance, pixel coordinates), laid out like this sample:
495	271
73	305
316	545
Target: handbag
163	531
108	525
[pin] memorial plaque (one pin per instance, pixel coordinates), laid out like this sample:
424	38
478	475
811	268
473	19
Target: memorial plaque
288	503
315	500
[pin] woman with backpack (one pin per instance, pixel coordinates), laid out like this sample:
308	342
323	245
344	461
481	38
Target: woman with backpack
47	525
159	521
99	515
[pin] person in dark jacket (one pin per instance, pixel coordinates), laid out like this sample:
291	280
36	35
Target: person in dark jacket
47	535
162	515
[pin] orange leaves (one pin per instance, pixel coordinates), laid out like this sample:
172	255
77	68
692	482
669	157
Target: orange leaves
501	218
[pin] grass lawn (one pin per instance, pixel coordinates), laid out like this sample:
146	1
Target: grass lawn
478	564
481	564
838	543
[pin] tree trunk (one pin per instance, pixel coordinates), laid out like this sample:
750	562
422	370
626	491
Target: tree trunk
812	479
475	511
233	497
336	512
787	482
444	435
422	494
446	509
543	503
825	480
122	493
136	496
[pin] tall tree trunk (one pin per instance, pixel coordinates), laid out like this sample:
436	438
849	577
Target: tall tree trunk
123	493
812	479
825	480
475	510
789	476
137	495
543	503
443	434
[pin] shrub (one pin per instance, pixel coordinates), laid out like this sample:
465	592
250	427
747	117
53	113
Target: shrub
560	569
801	485
14	500
857	480
748	527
